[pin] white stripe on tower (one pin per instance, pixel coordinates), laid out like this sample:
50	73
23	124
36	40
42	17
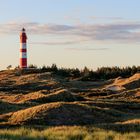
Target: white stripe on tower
22	45
23	55
23	49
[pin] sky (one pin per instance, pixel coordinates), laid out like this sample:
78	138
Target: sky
71	33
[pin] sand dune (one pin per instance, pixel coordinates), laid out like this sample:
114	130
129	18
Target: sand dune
125	83
47	99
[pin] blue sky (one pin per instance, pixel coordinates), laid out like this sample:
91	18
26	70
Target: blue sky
71	33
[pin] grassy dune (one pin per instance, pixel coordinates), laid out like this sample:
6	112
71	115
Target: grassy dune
66	133
45	106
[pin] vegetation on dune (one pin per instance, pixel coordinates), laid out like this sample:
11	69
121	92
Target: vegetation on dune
66	133
37	98
59	113
59	96
86	74
6	107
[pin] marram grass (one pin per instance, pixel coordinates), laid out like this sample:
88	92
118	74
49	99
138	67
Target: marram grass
66	133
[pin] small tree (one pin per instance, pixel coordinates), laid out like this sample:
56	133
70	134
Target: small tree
86	72
54	68
9	67
32	66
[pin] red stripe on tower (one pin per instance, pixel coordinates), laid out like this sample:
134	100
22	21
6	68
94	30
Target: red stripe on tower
23	49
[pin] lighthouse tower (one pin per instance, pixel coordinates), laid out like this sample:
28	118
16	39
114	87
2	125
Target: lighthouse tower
23	49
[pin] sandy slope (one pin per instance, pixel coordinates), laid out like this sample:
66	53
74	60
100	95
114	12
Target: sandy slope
125	83
47	99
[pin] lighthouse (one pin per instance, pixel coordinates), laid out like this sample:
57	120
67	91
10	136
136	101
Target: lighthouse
23	49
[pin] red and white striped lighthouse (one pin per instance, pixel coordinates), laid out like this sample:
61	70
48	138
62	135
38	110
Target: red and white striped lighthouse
23	49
